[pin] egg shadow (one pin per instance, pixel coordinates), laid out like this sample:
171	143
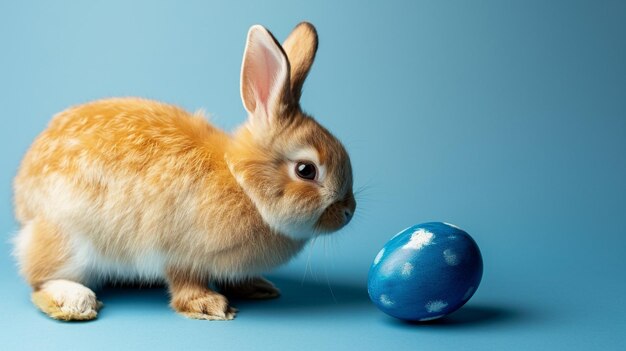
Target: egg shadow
470	316
296	295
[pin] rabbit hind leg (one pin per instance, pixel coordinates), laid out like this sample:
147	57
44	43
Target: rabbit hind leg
44	254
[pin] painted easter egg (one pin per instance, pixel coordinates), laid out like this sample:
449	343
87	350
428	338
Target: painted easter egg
425	272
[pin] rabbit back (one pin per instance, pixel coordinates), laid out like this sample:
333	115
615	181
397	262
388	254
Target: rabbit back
136	185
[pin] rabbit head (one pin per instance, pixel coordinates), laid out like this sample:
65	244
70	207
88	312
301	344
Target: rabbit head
294	170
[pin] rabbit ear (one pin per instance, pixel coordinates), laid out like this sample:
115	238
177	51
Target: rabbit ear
264	76
300	46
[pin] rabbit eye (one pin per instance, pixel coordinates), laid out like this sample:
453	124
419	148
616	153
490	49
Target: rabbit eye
306	170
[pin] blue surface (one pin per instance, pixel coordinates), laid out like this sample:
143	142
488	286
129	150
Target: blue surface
425	272
505	118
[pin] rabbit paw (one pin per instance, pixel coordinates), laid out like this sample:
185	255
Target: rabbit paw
66	300
208	306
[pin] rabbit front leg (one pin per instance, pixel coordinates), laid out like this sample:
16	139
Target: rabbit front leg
256	288
66	300
192	297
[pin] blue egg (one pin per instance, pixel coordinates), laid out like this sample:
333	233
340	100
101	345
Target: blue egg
425	272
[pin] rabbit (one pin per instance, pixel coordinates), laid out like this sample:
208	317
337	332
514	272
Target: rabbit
134	190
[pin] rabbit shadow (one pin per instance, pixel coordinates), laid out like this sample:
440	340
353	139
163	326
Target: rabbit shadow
295	295
305	296
133	298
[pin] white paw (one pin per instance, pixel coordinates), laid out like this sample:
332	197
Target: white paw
66	300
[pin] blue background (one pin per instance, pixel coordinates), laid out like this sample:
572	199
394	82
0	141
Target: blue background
507	118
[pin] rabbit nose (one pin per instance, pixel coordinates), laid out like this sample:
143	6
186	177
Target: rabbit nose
347	215
349	208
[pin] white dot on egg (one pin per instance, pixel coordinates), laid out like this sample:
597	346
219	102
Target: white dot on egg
450	257
435	306
385	300
379	256
407	269
419	239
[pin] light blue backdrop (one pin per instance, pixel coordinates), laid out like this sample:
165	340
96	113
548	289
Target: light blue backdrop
507	118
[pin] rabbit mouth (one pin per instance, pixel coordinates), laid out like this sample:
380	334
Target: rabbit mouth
333	218
336	216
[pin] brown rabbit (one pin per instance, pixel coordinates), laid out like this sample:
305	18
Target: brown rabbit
136	190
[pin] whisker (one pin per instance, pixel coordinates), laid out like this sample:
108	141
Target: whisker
308	260
332	293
